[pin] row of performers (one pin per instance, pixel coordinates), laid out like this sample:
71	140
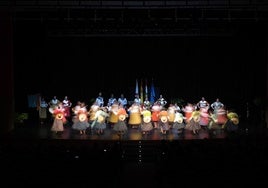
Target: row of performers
120	119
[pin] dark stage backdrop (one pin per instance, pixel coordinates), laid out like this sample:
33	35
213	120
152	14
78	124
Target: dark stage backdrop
231	67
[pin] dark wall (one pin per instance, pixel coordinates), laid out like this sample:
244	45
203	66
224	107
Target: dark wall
231	67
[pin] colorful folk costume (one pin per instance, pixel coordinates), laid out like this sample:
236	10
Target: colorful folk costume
134	115
179	124
232	123
204	118
121	127
59	120
218	119
221	116
113	114
92	111
193	124
171	114
146	125
163	122
156	108
67	106
81	124
75	111
53	104
188	110
100	121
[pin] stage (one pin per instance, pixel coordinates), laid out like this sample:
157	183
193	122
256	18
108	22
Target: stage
32	155
36	130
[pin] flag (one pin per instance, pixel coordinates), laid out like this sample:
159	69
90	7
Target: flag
137	87
152	93
141	94
146	88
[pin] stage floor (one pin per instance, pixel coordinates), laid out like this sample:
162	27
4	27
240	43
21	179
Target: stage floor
35	130
32	155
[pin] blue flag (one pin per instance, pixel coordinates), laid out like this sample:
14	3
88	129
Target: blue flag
152	93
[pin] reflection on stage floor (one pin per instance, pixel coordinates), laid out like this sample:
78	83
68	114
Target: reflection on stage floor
42	131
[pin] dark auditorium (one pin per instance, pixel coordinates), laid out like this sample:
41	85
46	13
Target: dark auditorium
134	93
